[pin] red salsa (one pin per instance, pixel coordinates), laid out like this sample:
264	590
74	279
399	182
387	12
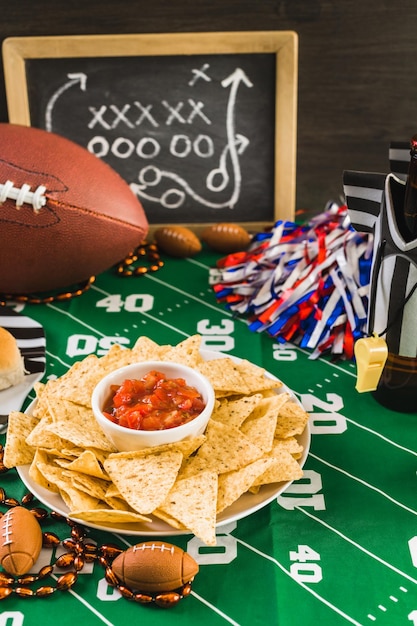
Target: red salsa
153	402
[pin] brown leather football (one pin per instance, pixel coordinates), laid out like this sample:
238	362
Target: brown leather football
154	566
226	238
20	541
65	215
177	241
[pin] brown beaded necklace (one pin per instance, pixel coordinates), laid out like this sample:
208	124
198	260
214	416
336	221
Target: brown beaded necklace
129	266
79	551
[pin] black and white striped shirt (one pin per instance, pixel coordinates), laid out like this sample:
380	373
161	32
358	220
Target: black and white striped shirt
371	200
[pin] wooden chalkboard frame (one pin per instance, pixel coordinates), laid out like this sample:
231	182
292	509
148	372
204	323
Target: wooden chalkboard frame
284	44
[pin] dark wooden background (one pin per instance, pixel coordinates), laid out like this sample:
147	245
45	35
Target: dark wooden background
357	60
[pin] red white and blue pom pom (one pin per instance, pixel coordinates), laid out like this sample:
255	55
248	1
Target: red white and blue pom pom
306	284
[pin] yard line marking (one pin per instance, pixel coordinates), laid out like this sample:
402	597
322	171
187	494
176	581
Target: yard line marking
95	330
76	319
216	308
377	434
106	293
363	482
87	605
298	582
199	264
55	356
189	295
215	609
357	545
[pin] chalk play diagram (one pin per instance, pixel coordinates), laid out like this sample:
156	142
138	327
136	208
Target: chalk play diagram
161	136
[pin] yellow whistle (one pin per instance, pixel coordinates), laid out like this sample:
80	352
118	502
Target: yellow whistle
371	354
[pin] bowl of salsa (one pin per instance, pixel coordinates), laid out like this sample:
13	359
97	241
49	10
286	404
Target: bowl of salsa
152	403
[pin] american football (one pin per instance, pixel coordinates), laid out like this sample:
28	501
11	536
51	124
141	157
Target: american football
226	238
154	566
20	541
177	241
65	215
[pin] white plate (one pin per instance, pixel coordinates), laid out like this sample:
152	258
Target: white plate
246	505
30	339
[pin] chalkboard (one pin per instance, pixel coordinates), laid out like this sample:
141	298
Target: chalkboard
202	127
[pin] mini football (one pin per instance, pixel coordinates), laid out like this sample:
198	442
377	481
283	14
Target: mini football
177	241
226	238
20	541
154	566
65	215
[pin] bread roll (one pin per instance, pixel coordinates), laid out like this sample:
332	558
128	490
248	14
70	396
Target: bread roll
12	368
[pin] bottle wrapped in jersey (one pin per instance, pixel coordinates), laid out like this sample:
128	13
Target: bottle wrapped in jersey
376	204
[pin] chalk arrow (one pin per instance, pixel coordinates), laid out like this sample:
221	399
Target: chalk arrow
233	81
242	143
235	78
74	79
236	145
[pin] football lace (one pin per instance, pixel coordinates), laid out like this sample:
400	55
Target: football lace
23	195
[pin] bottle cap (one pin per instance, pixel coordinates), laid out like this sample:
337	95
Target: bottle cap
371	354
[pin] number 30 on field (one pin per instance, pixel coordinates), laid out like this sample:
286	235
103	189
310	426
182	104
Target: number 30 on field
216	336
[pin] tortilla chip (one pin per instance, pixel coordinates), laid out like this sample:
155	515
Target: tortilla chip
77	424
274	402
44	472
291	445
76	499
112	491
86	463
283	468
119	504
260	426
233	484
109	516
234	412
226	448
225	377
186	352
58	456
96	487
146	350
79	381
40	437
144	480
168	519
38	388
260	429
254	377
116	357
17	451
292	420
192	501
186	447
40	407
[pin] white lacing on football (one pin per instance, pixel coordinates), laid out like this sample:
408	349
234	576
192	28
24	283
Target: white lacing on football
23	195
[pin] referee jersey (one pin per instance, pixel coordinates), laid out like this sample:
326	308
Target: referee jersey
371	200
